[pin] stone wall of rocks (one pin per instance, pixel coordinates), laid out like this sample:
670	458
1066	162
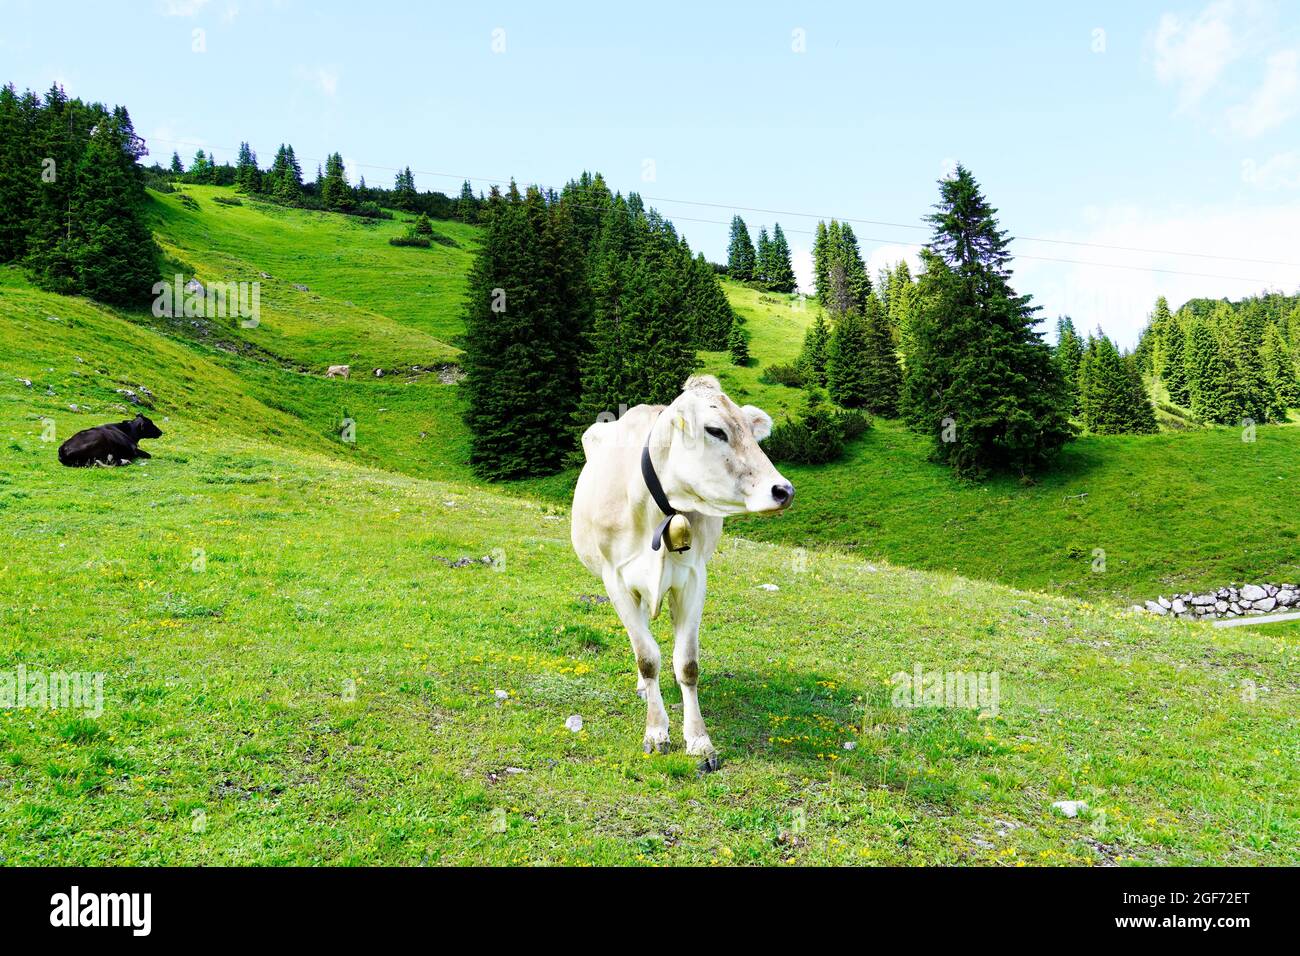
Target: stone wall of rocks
1228	602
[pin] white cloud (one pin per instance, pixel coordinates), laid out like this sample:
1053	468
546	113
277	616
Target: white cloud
1192	55
326	79
1281	171
1275	100
1120	299
182	8
888	256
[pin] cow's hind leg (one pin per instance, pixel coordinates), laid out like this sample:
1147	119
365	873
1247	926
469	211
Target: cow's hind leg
636	619
687	606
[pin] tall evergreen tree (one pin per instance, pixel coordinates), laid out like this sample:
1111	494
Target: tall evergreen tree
1068	353
816	349
335	192
822	262
1172	362
848	372
248	177
284	179
19	172
780	267
1280	369
1112	396
763	256
521	350
883	376
177	167
741	257
466	204
115	254
642	334
62	126
980	381
1209	376
900	296
708	306
404	193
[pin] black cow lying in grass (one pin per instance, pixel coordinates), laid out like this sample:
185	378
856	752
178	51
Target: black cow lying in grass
115	444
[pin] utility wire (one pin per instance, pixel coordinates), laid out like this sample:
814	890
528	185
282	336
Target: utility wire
874	222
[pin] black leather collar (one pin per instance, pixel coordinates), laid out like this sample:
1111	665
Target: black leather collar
656	489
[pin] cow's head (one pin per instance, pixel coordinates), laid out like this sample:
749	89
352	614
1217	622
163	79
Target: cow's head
145	428
716	465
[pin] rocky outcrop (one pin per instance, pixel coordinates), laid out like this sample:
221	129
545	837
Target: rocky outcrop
1227	602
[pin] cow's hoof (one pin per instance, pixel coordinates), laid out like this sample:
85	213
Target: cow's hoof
709	764
655	746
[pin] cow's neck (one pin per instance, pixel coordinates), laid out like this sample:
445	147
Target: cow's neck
660	442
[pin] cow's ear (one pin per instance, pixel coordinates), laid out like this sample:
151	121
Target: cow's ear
760	422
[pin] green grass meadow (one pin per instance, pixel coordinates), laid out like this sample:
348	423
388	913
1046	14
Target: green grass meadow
295	672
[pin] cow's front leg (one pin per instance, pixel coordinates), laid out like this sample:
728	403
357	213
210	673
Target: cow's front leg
687	605
637	621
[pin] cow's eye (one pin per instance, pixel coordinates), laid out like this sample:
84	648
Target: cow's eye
717	433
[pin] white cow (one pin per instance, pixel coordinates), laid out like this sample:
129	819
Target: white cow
703	452
335	371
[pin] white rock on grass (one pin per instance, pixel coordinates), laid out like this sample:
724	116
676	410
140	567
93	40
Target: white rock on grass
1070	808
574	722
769	587
1253	592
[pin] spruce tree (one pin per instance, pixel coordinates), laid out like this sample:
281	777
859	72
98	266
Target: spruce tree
50	257
335	193
466	204
738	342
980	380
521	350
1142	414
641	344
848	368
900	293
1209	376
816	349
177	167
115	255
1173	363
1280	370
883	378
247	175
1068	353
1112	396
710	311
780	266
19	171
741	257
822	263
763	257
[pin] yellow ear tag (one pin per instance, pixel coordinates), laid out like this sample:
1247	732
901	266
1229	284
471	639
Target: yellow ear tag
679	423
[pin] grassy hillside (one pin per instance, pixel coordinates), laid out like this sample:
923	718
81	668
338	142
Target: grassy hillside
1172	512
321	685
323	690
367	303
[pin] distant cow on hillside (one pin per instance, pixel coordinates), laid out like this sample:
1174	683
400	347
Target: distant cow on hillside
114	444
338	371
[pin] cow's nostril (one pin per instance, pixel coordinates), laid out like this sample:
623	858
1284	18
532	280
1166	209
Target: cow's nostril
783	493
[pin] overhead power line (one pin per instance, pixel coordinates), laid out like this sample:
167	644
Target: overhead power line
500	181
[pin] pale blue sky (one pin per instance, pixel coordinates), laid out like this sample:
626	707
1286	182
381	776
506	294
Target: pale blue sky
1161	126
